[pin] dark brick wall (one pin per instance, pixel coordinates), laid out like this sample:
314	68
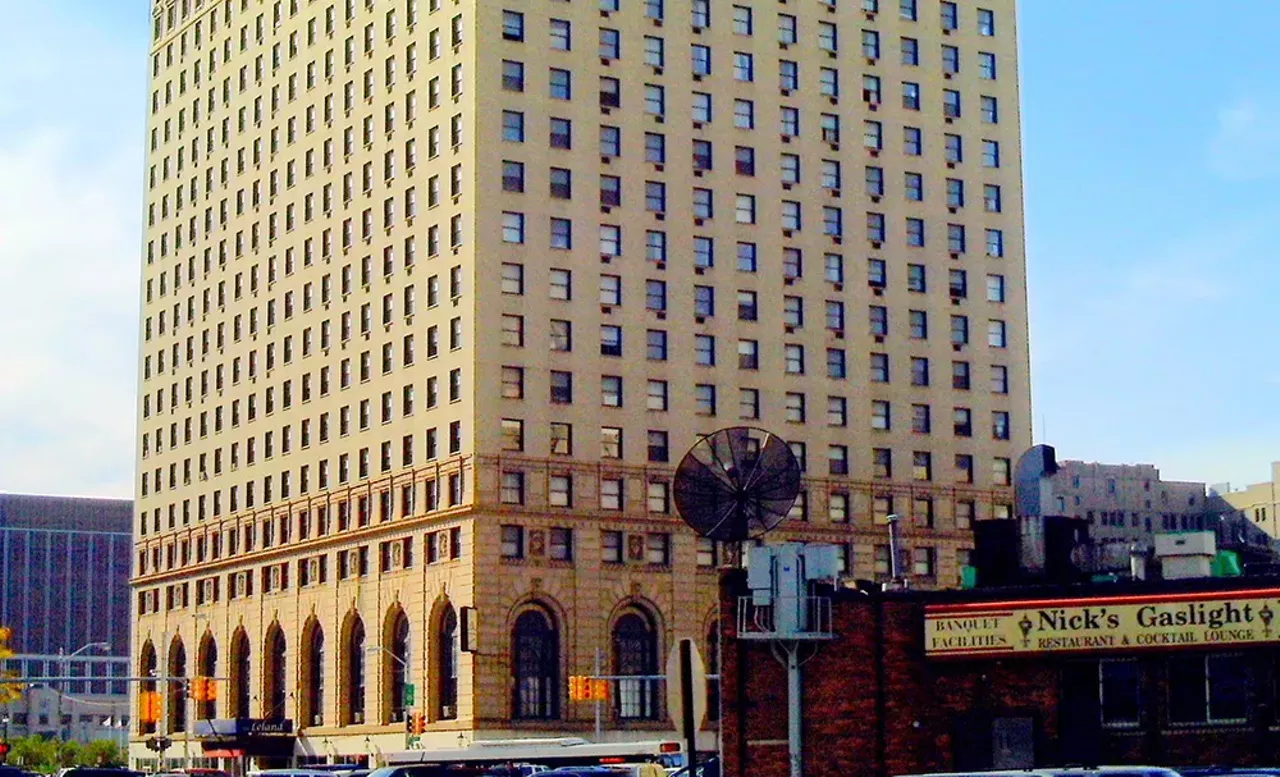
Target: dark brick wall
873	706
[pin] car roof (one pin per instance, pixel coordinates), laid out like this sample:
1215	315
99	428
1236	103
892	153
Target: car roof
1071	771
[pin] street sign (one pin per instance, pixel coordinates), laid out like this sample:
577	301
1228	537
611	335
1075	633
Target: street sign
410	694
696	678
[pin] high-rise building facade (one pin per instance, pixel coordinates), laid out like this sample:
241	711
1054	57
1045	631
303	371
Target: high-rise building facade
437	292
65	563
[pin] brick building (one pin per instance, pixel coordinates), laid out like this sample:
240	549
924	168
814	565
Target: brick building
1171	673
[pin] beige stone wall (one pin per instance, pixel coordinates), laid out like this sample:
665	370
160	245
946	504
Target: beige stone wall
276	127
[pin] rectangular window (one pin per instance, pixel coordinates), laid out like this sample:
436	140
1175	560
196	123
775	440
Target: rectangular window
561	135
924	562
1208	689
610	43
910	52
986	22
512	26
913	186
657	549
990	153
1120	693
611	494
995	243
611	550
987	65
915	232
513	126
513	542
560	84
561	35
512	75
950	16
912	141
990	109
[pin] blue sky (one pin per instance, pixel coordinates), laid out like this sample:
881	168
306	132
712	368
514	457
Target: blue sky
1153	215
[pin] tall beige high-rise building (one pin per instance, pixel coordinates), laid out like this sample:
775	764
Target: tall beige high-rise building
437	292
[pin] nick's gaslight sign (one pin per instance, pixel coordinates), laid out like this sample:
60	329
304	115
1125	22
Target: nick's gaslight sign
1103	623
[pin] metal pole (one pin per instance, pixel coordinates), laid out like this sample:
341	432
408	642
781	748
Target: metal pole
62	670
599	704
686	696
188	713
894	571
795	708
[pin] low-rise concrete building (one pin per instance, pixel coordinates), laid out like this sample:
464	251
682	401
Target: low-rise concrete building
1127	503
1260	502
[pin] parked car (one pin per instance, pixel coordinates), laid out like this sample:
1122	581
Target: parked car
516	770
1092	771
97	771
707	767
645	769
584	771
301	772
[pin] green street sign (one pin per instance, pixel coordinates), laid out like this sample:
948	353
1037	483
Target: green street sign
410	694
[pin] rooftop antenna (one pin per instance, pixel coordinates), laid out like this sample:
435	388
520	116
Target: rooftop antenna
734	486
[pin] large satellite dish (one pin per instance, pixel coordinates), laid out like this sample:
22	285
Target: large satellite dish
736	484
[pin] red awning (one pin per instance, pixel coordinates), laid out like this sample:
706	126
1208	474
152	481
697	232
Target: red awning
224	753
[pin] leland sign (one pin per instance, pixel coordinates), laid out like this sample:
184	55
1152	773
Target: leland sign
1099	624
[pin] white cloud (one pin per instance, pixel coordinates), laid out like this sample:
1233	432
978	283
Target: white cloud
1246	143
70	194
68	301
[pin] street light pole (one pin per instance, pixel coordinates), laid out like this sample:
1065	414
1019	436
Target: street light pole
63	660
403	665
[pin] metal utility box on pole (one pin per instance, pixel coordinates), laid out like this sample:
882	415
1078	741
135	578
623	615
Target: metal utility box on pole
780	610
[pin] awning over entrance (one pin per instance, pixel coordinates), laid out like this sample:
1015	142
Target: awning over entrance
237	737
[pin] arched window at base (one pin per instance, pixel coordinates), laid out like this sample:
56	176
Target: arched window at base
635	652
311	708
535	652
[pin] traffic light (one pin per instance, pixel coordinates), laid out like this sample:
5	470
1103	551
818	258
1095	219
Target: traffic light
9	692
203	689
417	722
599	689
149	706
576	688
